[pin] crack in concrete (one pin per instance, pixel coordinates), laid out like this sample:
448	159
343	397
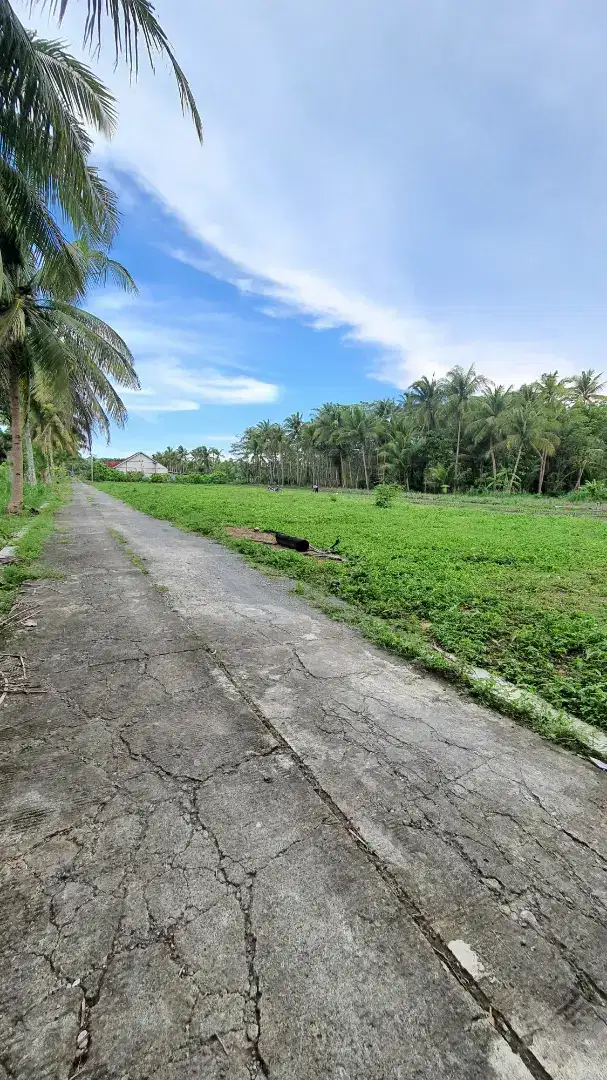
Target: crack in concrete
500	1022
243	892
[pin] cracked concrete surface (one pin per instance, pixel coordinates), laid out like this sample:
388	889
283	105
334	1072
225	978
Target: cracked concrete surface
238	842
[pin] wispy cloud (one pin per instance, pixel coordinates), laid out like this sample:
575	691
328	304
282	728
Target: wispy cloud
164	406
196	353
214	387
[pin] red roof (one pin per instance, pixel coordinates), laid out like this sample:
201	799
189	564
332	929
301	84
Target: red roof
113	464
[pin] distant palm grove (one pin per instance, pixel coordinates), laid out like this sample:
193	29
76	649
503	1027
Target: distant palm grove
452	434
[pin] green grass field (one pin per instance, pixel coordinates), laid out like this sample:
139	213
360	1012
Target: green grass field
523	594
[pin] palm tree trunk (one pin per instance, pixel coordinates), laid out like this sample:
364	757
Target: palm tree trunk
15	505
362	450
51	463
456	469
578	482
516	465
493	461
542	471
29	454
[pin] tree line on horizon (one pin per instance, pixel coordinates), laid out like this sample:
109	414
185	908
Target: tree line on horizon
60	364
453	434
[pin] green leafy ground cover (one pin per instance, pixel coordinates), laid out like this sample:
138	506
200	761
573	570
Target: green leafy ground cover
521	594
37	526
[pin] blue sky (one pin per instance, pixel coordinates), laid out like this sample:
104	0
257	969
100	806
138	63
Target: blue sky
385	189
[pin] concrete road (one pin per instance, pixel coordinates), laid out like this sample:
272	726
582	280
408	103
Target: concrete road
236	841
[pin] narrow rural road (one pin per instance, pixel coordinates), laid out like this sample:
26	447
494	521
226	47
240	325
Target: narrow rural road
236	841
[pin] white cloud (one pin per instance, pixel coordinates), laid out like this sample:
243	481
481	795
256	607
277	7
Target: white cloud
197	354
363	161
164	406
510	364
214	387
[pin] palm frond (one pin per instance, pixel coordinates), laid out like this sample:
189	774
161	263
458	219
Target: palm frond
23	207
12	322
47	101
133	20
65	362
101	269
76	85
106	348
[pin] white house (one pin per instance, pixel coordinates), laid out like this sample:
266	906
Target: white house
140	463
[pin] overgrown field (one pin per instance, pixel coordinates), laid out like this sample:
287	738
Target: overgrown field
521	594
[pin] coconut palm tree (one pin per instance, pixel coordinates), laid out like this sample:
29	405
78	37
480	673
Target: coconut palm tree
527	427
427	395
44	335
460	388
293	427
332	433
437	476
587	387
362	429
52	428
553	390
384	409
398	453
485	427
199	457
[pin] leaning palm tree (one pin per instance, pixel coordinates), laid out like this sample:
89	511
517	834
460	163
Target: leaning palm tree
52	429
587	387
45	335
527	427
460	388
133	22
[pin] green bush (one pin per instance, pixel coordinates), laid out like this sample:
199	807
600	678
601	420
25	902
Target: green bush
159	478
202	478
117	477
384	494
591	491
